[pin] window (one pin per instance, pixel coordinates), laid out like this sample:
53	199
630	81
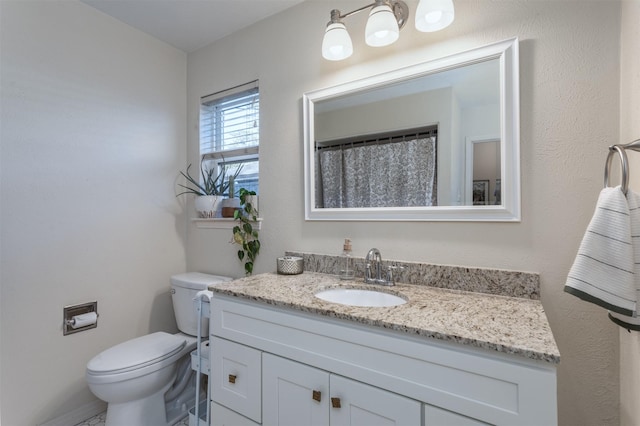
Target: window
230	133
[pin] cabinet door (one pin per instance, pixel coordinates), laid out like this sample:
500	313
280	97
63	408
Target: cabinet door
354	403
434	416
293	394
235	377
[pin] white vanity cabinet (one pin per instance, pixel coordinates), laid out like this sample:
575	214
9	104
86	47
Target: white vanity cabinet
298	394
376	373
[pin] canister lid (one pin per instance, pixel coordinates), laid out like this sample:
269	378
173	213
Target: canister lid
197	280
136	353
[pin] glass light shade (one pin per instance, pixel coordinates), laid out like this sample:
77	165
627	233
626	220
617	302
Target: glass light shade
434	15
382	27
336	44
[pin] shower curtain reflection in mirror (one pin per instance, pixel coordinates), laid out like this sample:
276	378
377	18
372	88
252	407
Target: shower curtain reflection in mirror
394	173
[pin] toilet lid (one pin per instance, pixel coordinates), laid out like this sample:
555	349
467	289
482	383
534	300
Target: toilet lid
197	280
136	353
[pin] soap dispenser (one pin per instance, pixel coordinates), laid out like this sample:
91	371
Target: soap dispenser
347	271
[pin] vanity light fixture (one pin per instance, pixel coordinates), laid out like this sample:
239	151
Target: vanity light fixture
386	19
434	15
383	25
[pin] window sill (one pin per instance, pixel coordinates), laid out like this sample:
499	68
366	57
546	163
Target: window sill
220	223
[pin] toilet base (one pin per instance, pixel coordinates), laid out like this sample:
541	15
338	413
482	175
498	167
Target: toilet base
178	408
149	411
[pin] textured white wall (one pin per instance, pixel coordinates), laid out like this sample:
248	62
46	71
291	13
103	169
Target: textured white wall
93	134
630	131
570	74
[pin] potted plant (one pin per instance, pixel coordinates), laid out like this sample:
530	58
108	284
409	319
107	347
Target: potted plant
209	190
245	234
231	204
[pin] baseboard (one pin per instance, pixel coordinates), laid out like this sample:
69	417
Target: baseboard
79	414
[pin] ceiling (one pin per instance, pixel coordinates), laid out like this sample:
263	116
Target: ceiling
190	24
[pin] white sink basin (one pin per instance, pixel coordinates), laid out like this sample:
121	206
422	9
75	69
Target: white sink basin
358	297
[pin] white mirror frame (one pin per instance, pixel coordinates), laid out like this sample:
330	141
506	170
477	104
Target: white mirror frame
509	211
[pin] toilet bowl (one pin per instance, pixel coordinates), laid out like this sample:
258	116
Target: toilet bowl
134	376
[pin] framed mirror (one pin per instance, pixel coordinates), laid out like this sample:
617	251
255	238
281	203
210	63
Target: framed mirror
436	141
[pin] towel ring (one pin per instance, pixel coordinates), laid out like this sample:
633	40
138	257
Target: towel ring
625	167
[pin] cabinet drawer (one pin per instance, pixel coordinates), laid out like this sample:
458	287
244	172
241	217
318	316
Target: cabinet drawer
222	416
236	377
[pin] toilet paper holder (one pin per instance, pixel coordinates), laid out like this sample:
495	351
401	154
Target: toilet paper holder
74	314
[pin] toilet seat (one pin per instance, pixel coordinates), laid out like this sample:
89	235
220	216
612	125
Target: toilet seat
153	350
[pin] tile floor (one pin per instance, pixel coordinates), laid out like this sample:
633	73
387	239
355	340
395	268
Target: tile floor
95	420
100	419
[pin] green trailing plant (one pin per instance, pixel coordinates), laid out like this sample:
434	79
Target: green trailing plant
212	183
244	234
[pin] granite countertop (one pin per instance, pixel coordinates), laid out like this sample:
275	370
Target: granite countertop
510	325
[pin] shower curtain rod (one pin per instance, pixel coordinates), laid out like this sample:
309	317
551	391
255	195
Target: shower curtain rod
386	137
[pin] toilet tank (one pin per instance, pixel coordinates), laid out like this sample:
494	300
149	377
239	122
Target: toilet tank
184	288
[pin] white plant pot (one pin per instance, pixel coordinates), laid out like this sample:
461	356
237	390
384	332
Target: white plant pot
253	200
207	205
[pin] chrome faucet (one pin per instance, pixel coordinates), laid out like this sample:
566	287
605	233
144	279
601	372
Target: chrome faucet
373	262
373	259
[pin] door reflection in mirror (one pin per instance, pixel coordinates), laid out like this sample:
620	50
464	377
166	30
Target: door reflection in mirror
483	165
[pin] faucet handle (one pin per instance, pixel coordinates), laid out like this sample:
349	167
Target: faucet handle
367	269
390	273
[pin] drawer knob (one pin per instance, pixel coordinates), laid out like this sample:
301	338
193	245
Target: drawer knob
335	402
232	378
317	395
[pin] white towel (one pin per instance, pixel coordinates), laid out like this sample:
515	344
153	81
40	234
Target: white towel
606	270
632	322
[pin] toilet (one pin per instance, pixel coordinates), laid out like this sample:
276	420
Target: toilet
148	381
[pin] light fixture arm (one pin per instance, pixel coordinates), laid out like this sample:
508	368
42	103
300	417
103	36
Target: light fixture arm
335	13
401	12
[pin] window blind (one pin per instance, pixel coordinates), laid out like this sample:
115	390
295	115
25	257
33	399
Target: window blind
229	122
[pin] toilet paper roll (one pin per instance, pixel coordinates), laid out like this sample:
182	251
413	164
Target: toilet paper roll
84	320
